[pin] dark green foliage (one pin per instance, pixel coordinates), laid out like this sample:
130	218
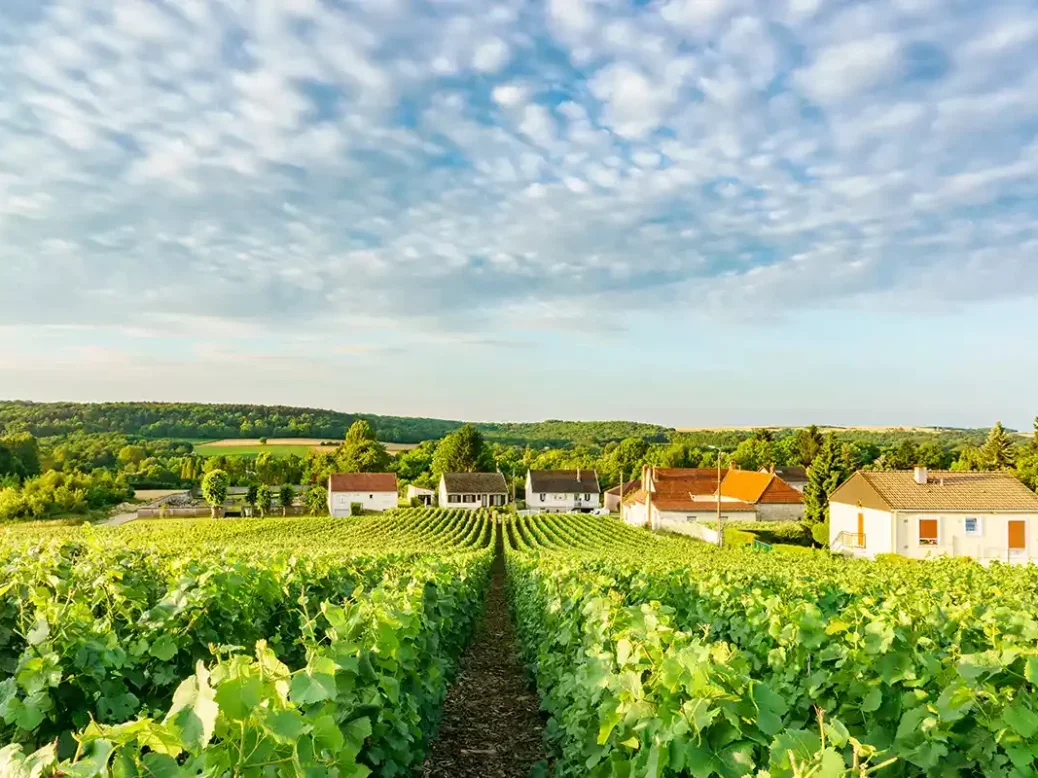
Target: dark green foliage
999	452
462	452
823	477
361	452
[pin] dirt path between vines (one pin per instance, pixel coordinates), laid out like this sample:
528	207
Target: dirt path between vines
492	725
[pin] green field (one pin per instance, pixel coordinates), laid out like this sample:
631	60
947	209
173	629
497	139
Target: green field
211	450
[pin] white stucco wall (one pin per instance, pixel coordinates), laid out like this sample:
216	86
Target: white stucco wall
339	502
878	529
991	544
634	514
559	502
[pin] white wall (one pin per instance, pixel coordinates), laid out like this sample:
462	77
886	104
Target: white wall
339	502
559	502
780	512
878	530
991	544
634	514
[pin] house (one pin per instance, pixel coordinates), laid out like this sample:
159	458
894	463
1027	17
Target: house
920	514
613	497
773	498
420	493
669	497
562	491
795	476
374	492
472	490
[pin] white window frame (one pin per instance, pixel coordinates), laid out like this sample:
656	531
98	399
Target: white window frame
918	533
978	532
453	498
543	495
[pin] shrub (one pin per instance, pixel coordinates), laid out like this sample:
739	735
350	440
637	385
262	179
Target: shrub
794	533
356	508
735	537
820	533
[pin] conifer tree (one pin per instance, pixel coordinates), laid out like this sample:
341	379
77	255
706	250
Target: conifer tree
824	475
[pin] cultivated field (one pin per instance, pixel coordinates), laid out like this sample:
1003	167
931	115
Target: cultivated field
276	446
329	646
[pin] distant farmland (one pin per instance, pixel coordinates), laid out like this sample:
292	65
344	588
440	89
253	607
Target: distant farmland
279	447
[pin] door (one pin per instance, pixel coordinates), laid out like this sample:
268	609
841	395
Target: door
1017	539
861	530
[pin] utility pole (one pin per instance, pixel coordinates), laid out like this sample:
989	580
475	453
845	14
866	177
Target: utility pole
720	533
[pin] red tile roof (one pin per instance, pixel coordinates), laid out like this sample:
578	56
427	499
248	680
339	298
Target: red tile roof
362	482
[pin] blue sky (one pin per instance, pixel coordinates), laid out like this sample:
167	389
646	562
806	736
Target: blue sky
694	212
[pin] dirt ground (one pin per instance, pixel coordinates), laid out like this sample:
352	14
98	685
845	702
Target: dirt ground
492	725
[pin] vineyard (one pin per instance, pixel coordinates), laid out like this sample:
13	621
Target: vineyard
327	647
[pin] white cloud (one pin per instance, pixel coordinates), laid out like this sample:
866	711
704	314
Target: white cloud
635	105
490	56
845	70
509	94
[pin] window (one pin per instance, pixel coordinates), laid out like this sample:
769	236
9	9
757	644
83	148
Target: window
453	498
927	532
587	497
470	498
371	497
972	526
543	495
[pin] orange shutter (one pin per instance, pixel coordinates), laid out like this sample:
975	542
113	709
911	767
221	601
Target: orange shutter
1017	535
928	531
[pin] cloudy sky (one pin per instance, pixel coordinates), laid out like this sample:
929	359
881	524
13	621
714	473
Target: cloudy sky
693	212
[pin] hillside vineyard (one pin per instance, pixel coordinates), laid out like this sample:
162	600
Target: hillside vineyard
325	647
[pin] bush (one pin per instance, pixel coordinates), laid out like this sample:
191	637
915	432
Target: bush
820	533
356	508
794	533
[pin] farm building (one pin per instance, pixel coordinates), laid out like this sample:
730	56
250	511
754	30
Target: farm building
986	516
613	497
673	496
426	496
472	490
562	491
373	491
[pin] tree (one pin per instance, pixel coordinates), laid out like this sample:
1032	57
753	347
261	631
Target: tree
263	441
933	455
286	497
754	453
970	459
361	452
317	500
264	497
823	477
24	450
999	453
132	455
462	451
251	496
808	442
214	489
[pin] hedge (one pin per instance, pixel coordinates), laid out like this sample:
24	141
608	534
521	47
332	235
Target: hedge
743	533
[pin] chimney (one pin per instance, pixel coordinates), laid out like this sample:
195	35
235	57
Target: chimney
773	468
920	475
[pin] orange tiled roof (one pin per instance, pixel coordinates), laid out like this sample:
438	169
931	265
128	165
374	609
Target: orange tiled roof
753	487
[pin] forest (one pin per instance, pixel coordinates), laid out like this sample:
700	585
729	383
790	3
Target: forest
194	421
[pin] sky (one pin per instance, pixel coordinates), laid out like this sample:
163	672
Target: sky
690	212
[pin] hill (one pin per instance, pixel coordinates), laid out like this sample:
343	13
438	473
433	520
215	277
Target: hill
200	421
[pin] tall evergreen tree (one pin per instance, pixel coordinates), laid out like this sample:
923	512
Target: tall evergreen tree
999	453
824	475
807	444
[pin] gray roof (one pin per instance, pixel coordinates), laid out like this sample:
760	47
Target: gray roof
565	481
475	483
